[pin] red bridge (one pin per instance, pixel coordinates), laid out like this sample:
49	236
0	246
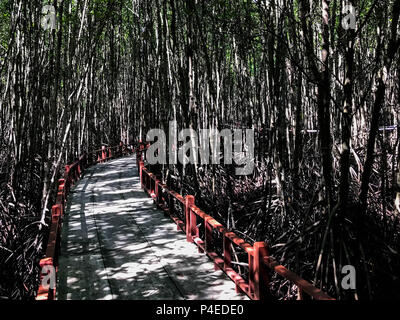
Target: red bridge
109	240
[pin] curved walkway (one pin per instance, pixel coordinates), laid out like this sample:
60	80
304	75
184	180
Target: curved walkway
117	245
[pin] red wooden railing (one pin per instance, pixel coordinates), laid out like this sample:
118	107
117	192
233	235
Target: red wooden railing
259	263
72	174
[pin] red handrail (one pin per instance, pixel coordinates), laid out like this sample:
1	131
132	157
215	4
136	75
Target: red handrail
72	174
256	286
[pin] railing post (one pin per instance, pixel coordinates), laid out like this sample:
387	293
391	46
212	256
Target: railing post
189	201
141	166
57	210
194	230
61	190
260	273
103	154
251	274
157	191
151	190
208	235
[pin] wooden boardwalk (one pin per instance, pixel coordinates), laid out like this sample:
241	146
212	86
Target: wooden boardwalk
117	245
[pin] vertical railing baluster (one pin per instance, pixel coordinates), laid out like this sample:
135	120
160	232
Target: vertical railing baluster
157	192
251	274
261	281
141	166
207	235
189	201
